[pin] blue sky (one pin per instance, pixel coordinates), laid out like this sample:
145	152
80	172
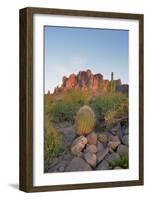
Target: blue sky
70	50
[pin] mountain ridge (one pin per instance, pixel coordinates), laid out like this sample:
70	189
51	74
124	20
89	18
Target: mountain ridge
86	80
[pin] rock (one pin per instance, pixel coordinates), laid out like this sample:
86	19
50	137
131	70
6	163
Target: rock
114	142
116	129
101	155
123	88
78	145
68	136
85	80
124	122
125	139
99	146
90	158
110	150
67	156
90	149
126	131
54	162
78	164
114	138
92	138
122	150
102	137
113	145
59	167
104	165
81	155
110	158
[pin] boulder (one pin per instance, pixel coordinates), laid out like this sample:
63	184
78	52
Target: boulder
78	164
90	149
114	142
78	145
125	139
101	154
126	131
114	138
68	136
59	167
67	156
99	146
113	145
54	162
122	150
104	165
92	138
90	158
62	165
110	158
116	129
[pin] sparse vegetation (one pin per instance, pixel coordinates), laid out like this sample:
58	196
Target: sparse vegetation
61	111
65	107
51	142
110	105
122	163
119	110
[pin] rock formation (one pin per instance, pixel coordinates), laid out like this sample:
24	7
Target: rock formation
86	80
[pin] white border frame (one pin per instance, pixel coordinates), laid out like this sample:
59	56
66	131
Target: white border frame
39	177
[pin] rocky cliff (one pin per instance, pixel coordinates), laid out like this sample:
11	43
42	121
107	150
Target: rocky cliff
86	80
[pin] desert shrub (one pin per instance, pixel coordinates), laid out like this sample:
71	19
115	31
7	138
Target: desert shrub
120	110
63	111
64	106
85	120
52	141
76	97
48	101
108	103
122	162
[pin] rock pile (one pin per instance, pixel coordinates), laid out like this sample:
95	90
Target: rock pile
95	151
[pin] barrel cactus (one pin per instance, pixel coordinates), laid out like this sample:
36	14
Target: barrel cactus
85	120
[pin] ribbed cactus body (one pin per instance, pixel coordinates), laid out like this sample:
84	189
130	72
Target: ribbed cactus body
85	120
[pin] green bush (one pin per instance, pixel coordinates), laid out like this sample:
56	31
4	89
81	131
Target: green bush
48	101
76	96
123	162
108	103
63	111
65	106
120	110
52	141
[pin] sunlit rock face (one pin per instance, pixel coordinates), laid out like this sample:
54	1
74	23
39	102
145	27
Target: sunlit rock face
86	80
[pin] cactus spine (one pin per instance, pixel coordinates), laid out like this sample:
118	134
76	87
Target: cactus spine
85	120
